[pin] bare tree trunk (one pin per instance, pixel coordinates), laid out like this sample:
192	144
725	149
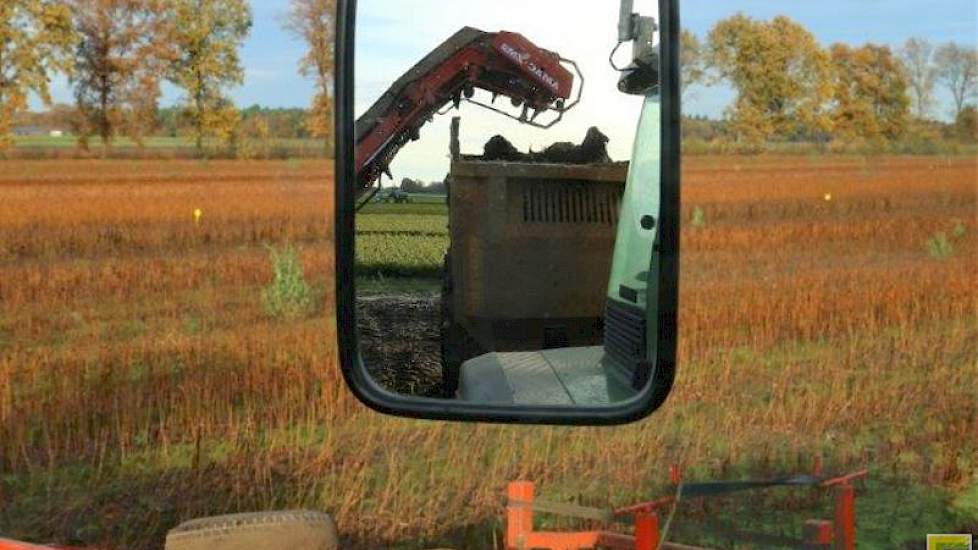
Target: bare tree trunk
3	78
3	72
199	117
105	130
959	94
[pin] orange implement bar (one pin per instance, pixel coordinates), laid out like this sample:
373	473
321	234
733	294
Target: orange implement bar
519	521
646	531
579	539
7	544
840	533
521	536
818	533
845	517
844	480
645	507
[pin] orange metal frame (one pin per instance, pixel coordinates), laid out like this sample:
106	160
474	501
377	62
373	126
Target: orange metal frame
7	544
839	534
520	534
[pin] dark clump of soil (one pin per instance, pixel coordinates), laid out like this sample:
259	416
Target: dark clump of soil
592	150
400	342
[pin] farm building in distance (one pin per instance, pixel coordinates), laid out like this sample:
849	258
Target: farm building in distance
38	131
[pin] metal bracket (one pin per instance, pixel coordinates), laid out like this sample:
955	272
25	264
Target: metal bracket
559	110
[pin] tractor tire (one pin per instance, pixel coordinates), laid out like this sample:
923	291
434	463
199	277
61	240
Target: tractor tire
457	345
454	337
297	530
450	347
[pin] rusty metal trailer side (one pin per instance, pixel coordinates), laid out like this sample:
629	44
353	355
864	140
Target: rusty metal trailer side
530	255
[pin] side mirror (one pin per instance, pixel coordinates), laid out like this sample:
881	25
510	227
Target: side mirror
507	225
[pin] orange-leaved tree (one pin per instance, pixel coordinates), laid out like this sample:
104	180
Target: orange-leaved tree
691	61
871	100
314	21
781	75
119	63
966	124
36	39
207	35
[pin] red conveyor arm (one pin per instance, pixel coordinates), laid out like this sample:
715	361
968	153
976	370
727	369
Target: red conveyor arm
502	63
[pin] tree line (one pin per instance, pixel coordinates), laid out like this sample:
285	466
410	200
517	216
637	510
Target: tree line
409	185
116	55
791	88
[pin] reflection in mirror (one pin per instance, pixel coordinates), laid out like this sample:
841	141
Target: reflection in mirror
506	222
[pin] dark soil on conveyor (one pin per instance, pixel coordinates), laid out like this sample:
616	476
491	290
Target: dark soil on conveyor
400	342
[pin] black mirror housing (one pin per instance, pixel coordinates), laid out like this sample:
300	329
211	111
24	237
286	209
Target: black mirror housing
647	72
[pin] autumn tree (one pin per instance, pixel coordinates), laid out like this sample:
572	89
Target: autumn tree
871	100
258	134
691	61
917	56
207	35
119	64
36	39
966	124
314	22
957	68
781	75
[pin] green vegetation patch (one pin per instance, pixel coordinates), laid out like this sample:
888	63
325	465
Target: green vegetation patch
425	208
289	295
420	224
402	240
396	255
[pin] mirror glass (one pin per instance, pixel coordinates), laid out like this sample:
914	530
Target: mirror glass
507	158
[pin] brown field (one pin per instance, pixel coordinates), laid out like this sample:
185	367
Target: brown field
142	383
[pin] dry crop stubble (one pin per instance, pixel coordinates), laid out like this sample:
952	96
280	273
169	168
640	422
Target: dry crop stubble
134	348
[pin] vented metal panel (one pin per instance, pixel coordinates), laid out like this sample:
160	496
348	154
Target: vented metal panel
624	334
551	202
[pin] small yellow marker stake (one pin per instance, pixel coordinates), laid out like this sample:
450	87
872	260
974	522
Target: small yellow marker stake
197	215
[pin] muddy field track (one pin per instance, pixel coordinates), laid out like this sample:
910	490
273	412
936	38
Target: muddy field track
399	341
